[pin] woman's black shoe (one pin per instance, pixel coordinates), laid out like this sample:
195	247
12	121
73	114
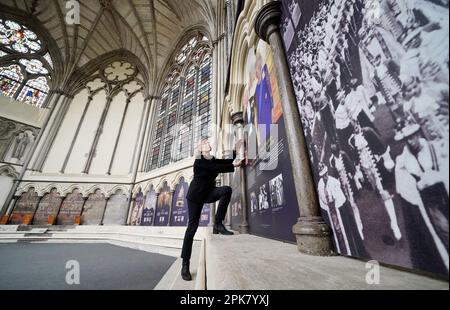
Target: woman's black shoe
185	273
220	229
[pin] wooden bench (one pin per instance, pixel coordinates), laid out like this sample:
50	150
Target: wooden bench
51	220
27	219
4	220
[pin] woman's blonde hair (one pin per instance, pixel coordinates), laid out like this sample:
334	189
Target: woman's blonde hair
198	149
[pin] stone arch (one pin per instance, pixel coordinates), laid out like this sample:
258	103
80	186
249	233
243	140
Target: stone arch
93	189
138	189
161	183
47	189
26	187
93	69
9	171
70	190
181	41
117	188
177	177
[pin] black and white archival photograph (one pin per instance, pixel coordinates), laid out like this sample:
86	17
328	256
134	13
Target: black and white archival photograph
276	191
371	80
263	198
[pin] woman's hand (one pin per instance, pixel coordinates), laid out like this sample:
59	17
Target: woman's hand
239	163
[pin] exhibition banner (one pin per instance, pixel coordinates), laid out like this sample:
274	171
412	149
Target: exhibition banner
371	81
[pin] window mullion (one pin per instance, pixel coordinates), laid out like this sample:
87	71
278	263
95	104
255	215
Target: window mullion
195	112
164	133
180	103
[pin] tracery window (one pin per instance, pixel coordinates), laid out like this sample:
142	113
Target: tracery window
25	76
183	115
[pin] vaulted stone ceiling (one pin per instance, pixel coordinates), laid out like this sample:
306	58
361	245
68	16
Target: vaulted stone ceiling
149	29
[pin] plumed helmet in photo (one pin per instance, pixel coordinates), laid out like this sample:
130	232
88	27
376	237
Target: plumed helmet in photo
323	169
354	82
407	131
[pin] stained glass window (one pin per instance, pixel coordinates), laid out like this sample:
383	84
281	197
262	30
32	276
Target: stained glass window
184	113
170	124
34	92
26	77
33	66
202	126
186	50
187	110
10	80
159	129
18	38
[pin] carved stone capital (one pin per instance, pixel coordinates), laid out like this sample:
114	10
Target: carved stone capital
268	19
237	118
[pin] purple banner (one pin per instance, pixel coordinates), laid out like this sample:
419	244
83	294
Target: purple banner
137	211
179	216
148	215
163	206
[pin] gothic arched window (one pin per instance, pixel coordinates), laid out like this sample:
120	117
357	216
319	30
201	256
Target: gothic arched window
25	64
184	114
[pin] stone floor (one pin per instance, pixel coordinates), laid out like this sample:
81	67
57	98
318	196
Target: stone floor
253	263
27	266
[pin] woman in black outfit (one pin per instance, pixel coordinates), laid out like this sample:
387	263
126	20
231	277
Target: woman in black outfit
203	190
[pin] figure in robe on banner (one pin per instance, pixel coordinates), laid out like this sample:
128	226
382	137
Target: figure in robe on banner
264	100
371	151
346	170
332	199
420	182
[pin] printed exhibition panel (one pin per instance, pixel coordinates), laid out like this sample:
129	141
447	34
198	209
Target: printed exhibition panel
148	215
116	210
180	212
70	209
25	207
205	215
371	80
138	210
272	203
163	206
48	208
179	216
93	209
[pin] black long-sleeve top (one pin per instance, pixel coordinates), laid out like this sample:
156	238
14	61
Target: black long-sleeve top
206	172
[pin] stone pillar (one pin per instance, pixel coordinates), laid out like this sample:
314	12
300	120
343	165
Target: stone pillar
312	233
238	122
50	132
145	166
11	205
140	146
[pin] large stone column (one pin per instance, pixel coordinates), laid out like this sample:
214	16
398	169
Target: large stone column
149	103
238	122
312	233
